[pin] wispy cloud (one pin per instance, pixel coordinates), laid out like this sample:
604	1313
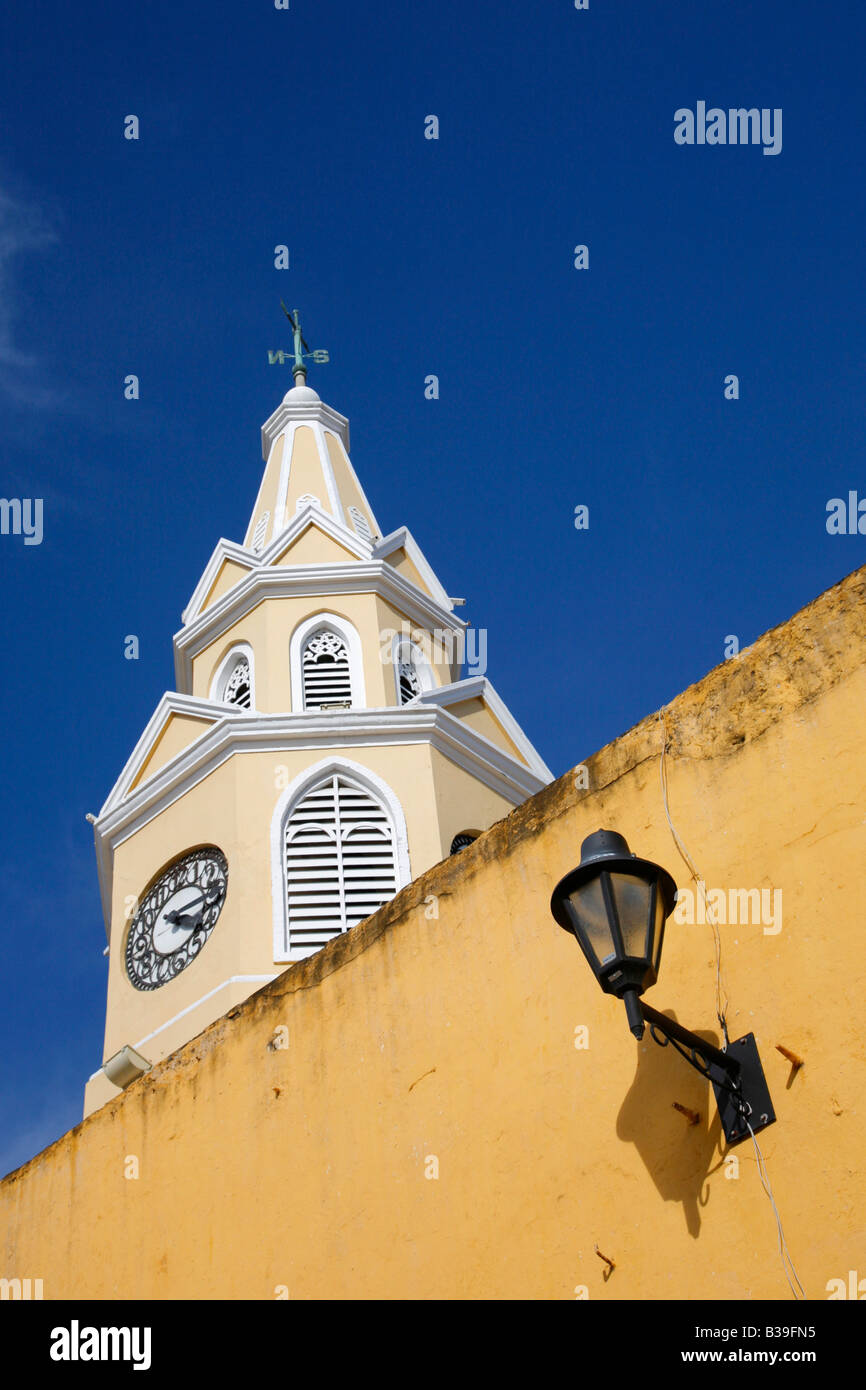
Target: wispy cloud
24	228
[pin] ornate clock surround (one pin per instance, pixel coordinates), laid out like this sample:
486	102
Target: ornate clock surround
175	917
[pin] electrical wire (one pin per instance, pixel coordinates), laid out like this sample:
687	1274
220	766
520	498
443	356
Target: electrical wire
721	1010
784	1253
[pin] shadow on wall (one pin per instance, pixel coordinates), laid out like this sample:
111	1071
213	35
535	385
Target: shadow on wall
677	1154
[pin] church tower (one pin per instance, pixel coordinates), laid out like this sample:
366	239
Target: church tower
323	747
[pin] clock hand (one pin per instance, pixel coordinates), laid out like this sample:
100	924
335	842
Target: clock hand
176	917
182	920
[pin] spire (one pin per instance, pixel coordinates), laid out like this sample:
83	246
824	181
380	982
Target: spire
305	445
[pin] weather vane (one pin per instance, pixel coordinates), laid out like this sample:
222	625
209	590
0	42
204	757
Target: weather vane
301	348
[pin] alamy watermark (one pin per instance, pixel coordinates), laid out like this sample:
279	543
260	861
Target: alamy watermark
23	1289
467	646
736	126
22	516
846	519
734	907
77	1343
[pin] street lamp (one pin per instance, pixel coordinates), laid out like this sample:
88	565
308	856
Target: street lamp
616	906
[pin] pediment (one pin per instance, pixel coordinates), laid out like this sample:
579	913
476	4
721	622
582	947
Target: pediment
476	704
174	726
404	554
315	546
228	565
177	733
229	574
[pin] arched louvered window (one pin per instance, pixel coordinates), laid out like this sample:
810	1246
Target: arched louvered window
327	664
339	862
360	523
306	501
411	669
410	685
461	841
326	674
238	688
233	682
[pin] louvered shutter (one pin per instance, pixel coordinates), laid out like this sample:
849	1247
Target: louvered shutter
259	533
339	862
360	523
327	678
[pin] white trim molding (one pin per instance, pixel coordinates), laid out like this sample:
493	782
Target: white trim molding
241	731
303	413
312	514
356	480
319	582
402	539
333	622
233	980
223	550
283	809
479	688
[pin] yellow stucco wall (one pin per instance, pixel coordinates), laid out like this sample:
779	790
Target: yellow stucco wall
350	493
268	629
479	717
266	500
305	474
229	574
178	732
400	561
444	1028
313	547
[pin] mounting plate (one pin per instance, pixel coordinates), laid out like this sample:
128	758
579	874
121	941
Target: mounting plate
754	1091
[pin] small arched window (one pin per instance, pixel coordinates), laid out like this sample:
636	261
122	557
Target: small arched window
308	500
327	664
461	841
411	670
326	674
410	685
339	862
233	683
238	689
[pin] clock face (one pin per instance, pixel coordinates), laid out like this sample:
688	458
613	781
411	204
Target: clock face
175	918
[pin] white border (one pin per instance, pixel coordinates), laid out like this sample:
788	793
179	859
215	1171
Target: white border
376	528
283	809
238	731
479	687
402	539
306	581
223	550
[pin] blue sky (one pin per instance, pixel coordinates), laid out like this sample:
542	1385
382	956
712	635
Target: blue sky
559	387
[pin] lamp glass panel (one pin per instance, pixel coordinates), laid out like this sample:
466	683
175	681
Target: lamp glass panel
632	896
658	930
588	906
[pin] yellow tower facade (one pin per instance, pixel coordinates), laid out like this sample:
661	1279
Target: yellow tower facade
323	748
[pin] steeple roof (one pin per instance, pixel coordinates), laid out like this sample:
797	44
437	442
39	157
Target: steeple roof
305	445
